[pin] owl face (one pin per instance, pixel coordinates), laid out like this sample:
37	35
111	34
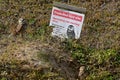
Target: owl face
70	28
70	32
20	21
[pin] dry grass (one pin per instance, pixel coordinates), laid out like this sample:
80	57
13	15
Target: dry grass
98	48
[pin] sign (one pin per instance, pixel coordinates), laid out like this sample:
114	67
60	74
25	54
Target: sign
67	24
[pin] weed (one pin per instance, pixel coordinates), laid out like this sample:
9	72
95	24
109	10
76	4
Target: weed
101	56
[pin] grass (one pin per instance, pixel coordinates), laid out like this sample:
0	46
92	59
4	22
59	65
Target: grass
97	49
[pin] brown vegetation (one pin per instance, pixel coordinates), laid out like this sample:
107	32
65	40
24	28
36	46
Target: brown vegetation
98	48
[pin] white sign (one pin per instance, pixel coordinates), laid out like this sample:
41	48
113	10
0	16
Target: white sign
67	24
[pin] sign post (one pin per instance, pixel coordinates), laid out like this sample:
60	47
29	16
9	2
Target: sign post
67	21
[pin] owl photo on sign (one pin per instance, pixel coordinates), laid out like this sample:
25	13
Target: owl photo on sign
70	32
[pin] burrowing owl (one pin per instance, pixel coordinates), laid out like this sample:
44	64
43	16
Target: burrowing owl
19	29
70	32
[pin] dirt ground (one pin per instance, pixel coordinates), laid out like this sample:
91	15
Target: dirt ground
45	58
34	55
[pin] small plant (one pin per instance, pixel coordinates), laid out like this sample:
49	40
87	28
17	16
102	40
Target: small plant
77	51
102	75
79	54
32	21
101	56
3	78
